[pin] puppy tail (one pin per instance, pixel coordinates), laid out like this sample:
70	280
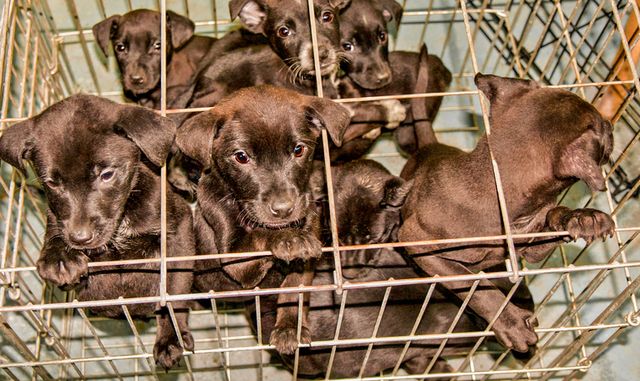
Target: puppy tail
422	125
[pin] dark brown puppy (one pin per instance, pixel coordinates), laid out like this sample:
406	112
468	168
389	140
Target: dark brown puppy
98	162
544	140
373	71
361	310
368	201
255	194
135	37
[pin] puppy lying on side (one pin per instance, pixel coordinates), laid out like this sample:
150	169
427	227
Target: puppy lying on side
372	71
544	140
135	37
98	162
368	201
257	147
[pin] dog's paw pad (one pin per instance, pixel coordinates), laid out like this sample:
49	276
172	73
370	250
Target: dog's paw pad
296	246
63	268
395	111
588	224
286	339
515	329
373	134
167	352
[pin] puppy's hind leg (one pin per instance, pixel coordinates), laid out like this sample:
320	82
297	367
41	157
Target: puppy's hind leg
285	332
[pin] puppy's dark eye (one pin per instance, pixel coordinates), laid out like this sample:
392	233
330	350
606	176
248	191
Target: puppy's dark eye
382	36
120	47
241	157
157	45
299	150
106	175
347	46
283	32
327	16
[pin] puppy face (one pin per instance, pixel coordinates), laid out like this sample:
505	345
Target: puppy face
365	39
260	141
86	151
286	25
136	41
368	202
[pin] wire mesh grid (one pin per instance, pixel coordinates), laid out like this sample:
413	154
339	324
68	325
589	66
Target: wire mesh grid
586	295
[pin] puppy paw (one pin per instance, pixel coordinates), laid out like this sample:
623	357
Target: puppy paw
588	224
515	329
64	268
285	339
294	245
167	350
395	111
373	134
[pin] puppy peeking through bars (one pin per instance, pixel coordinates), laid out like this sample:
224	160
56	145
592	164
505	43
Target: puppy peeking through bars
256	193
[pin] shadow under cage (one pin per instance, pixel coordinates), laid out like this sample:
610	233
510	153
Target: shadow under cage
585	295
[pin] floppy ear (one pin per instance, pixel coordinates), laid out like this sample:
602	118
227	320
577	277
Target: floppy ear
324	113
252	14
152	133
498	89
195	136
16	144
391	11
103	30
181	29
339	4
395	192
581	158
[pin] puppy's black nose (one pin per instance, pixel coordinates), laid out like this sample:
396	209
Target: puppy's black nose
137	79
324	53
81	236
282	207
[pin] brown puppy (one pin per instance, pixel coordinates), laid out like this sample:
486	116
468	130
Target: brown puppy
372	71
544	140
135	37
255	194
98	162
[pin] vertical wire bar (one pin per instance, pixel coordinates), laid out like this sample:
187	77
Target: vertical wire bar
138	339
216	318
325	147
582	41
427	17
163	170
572	300
449	32
485	115
296	359
374	334
224	356
259	334
565	32
480	340
176	329
416	325
83	45
215	19
98	340
483	8
343	303
452	326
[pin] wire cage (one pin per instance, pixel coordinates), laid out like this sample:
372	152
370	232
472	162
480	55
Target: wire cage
585	295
